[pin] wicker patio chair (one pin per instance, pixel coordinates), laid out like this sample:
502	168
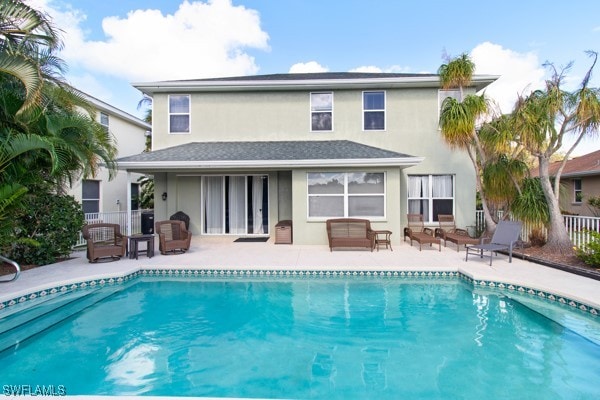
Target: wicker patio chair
104	242
173	237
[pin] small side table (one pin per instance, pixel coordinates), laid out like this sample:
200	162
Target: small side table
383	238
134	244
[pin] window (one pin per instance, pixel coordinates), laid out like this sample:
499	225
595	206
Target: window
321	111
339	194
430	195
577	191
374	111
104	121
90	196
179	113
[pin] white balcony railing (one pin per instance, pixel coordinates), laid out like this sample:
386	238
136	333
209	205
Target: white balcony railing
116	217
578	227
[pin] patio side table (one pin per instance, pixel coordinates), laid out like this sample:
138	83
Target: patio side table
134	244
383	238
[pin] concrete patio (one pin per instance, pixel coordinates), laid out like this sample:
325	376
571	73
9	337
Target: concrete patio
224	253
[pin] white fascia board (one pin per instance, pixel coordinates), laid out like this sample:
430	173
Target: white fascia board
479	82
102	106
236	164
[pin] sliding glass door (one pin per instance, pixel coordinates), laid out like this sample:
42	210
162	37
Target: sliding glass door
235	205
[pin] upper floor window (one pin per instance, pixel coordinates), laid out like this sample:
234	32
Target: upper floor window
577	191
321	111
346	194
90	196
374	111
104	121
430	195
179	113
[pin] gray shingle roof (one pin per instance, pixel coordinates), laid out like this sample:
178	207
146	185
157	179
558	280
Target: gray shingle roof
314	76
199	153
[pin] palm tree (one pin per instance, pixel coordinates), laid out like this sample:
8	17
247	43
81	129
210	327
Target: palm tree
458	121
24	30
543	120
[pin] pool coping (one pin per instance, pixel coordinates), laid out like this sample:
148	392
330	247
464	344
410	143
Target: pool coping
104	279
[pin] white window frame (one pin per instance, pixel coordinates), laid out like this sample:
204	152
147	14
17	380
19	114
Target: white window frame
188	113
577	191
346	195
320	111
104	115
364	111
90	198
430	197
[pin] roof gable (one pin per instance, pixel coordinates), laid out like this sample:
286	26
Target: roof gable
587	164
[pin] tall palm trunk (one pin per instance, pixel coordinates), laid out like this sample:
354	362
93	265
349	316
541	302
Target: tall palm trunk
558	238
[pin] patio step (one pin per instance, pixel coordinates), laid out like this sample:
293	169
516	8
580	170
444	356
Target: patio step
19	326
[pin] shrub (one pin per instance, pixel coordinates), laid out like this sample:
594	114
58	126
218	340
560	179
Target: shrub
589	253
537	238
47	230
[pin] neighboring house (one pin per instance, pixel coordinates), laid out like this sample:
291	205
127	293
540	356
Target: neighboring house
98	194
580	180
240	154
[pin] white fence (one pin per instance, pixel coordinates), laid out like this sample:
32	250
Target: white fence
117	217
578	227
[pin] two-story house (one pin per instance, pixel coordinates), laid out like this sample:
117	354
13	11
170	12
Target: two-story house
99	194
240	154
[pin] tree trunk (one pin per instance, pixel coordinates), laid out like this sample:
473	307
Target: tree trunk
558	239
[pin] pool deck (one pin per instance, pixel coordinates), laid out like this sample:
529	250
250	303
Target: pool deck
216	253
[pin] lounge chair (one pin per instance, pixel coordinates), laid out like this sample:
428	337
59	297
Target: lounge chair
104	242
505	237
450	233
417	231
173	238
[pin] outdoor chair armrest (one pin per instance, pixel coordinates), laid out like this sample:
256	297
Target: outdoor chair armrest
461	232
428	231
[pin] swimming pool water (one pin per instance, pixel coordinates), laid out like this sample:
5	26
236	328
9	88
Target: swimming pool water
343	338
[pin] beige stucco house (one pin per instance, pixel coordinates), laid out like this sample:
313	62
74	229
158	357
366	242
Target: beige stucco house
580	180
240	154
98	193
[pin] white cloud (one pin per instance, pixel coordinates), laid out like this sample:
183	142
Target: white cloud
311	66
201	39
520	73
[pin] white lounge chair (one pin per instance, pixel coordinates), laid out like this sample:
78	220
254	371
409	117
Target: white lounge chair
505	237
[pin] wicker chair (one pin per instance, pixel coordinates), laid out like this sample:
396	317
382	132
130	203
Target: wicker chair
173	238
104	242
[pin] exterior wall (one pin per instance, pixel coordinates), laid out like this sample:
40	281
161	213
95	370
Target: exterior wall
411	128
130	139
590	186
314	232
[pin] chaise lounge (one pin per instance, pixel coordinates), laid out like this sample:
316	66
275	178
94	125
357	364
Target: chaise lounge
417	231
350	232
450	233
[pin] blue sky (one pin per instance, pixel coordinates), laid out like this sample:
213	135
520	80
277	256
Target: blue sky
109	44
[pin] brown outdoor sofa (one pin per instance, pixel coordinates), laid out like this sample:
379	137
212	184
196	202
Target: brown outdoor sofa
173	237
450	233
416	231
104	242
349	233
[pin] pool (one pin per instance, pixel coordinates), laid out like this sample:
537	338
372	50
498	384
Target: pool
307	338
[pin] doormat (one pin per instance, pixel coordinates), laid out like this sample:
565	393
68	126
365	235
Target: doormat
252	239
